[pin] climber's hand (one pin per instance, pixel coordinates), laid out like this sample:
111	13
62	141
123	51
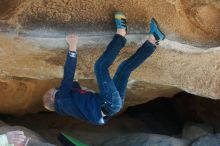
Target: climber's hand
72	40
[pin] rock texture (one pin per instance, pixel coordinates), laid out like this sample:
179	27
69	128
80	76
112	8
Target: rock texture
142	139
32	47
193	131
187	20
211	140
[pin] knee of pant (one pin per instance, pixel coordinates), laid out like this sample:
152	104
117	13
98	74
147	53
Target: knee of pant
114	105
101	63
112	109
116	109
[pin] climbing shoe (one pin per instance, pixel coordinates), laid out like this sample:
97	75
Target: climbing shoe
120	21
155	30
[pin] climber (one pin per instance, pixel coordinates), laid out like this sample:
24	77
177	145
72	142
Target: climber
97	108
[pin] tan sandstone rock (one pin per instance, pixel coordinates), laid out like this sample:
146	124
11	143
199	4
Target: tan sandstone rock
32	47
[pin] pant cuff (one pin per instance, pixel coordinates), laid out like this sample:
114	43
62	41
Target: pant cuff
122	38
149	45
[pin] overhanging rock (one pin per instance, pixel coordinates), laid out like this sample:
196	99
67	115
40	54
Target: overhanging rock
32	47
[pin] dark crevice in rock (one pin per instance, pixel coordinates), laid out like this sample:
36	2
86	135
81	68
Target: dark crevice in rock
163	116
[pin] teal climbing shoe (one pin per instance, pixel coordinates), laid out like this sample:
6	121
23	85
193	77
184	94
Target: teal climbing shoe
120	21
155	30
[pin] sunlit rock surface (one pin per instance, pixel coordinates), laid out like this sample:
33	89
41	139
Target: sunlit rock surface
32	47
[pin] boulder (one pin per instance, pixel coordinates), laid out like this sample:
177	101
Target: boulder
142	139
193	131
209	140
190	20
32	48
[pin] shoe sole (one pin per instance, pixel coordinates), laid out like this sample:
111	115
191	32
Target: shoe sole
158	27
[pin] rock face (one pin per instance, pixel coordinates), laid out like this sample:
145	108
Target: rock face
195	131
142	139
211	140
32	47
187	20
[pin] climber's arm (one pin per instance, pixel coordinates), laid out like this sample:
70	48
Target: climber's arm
70	65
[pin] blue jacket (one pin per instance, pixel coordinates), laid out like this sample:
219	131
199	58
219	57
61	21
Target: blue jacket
72	101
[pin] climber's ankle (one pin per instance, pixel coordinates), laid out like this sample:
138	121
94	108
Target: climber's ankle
121	32
152	39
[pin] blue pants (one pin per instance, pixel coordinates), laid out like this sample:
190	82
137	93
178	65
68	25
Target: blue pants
112	91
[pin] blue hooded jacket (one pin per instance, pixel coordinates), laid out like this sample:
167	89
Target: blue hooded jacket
71	100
